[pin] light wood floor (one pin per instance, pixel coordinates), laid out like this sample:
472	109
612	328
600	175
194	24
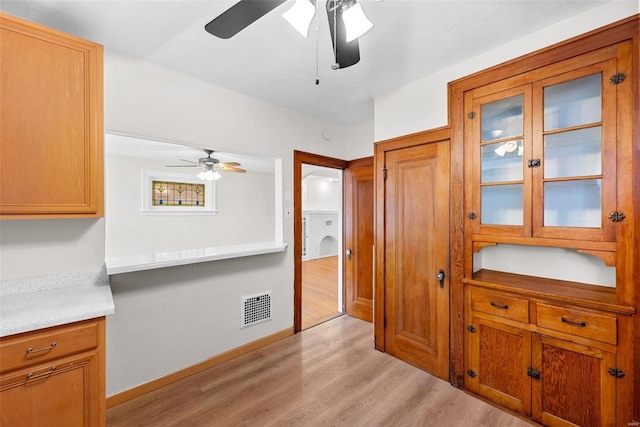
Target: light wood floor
319	291
326	376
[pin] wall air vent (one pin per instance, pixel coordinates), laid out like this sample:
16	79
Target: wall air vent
255	309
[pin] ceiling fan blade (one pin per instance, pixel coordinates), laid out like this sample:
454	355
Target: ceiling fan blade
232	169
230	164
346	54
189	161
239	16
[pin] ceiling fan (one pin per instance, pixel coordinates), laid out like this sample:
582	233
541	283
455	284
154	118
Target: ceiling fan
210	167
347	23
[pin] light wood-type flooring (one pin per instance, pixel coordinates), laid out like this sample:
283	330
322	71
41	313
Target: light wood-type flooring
329	375
319	291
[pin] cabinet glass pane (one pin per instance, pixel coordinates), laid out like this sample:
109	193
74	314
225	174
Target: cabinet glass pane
502	162
574	103
502	119
502	204
573	153
573	203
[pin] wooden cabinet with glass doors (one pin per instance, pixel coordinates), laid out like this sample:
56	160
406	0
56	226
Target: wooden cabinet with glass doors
548	157
543	154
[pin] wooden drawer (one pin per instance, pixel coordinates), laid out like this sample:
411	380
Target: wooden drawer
500	305
30	348
577	322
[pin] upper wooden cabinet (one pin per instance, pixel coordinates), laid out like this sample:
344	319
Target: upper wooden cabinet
51	138
542	151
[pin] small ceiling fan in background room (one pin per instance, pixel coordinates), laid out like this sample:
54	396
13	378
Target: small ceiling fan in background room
210	167
347	22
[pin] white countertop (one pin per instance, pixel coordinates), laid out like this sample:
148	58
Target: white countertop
127	264
39	302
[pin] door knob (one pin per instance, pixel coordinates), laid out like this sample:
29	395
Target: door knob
348	252
440	277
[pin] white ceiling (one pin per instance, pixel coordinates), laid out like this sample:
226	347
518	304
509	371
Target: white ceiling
270	61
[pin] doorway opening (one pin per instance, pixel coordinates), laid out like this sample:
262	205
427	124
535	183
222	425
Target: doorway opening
322	243
318	238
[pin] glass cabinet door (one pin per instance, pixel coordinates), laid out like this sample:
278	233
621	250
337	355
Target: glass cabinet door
499	139
572	147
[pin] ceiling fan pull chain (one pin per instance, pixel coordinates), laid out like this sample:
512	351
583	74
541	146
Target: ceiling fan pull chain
317	43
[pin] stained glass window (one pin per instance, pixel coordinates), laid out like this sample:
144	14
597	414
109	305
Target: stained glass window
168	193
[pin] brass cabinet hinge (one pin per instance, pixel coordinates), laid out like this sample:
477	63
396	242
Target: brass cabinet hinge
384	173
614	372
616	216
617	79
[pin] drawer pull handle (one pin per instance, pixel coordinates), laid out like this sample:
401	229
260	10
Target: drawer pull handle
30	375
580	324
496	305
38	350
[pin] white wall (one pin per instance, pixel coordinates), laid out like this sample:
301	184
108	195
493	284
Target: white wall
321	193
245	205
37	247
184	315
360	141
422	105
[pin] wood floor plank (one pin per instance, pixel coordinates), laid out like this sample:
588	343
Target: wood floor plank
329	375
319	291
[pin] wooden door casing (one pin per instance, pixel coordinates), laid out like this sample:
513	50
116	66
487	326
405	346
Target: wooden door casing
416	216
300	157
358	220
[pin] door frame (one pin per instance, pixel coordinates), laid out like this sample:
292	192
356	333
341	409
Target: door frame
300	157
455	239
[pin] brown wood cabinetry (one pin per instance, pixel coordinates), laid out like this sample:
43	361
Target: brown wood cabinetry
546	148
542	147
54	376
557	365
52	123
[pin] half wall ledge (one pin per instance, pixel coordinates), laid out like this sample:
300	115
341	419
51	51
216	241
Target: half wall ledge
128	264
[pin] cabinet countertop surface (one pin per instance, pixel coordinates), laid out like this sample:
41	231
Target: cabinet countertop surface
38	302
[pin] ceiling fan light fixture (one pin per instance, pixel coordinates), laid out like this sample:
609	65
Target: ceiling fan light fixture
208	174
300	16
355	21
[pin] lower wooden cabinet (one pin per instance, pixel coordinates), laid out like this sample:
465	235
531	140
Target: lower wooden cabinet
574	386
558	372
498	360
53	377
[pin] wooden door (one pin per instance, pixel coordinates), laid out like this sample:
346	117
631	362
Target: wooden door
498	357
358	242
575	387
416	215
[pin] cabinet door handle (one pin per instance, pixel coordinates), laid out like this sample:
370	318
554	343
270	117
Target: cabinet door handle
38	350
580	324
30	375
496	305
